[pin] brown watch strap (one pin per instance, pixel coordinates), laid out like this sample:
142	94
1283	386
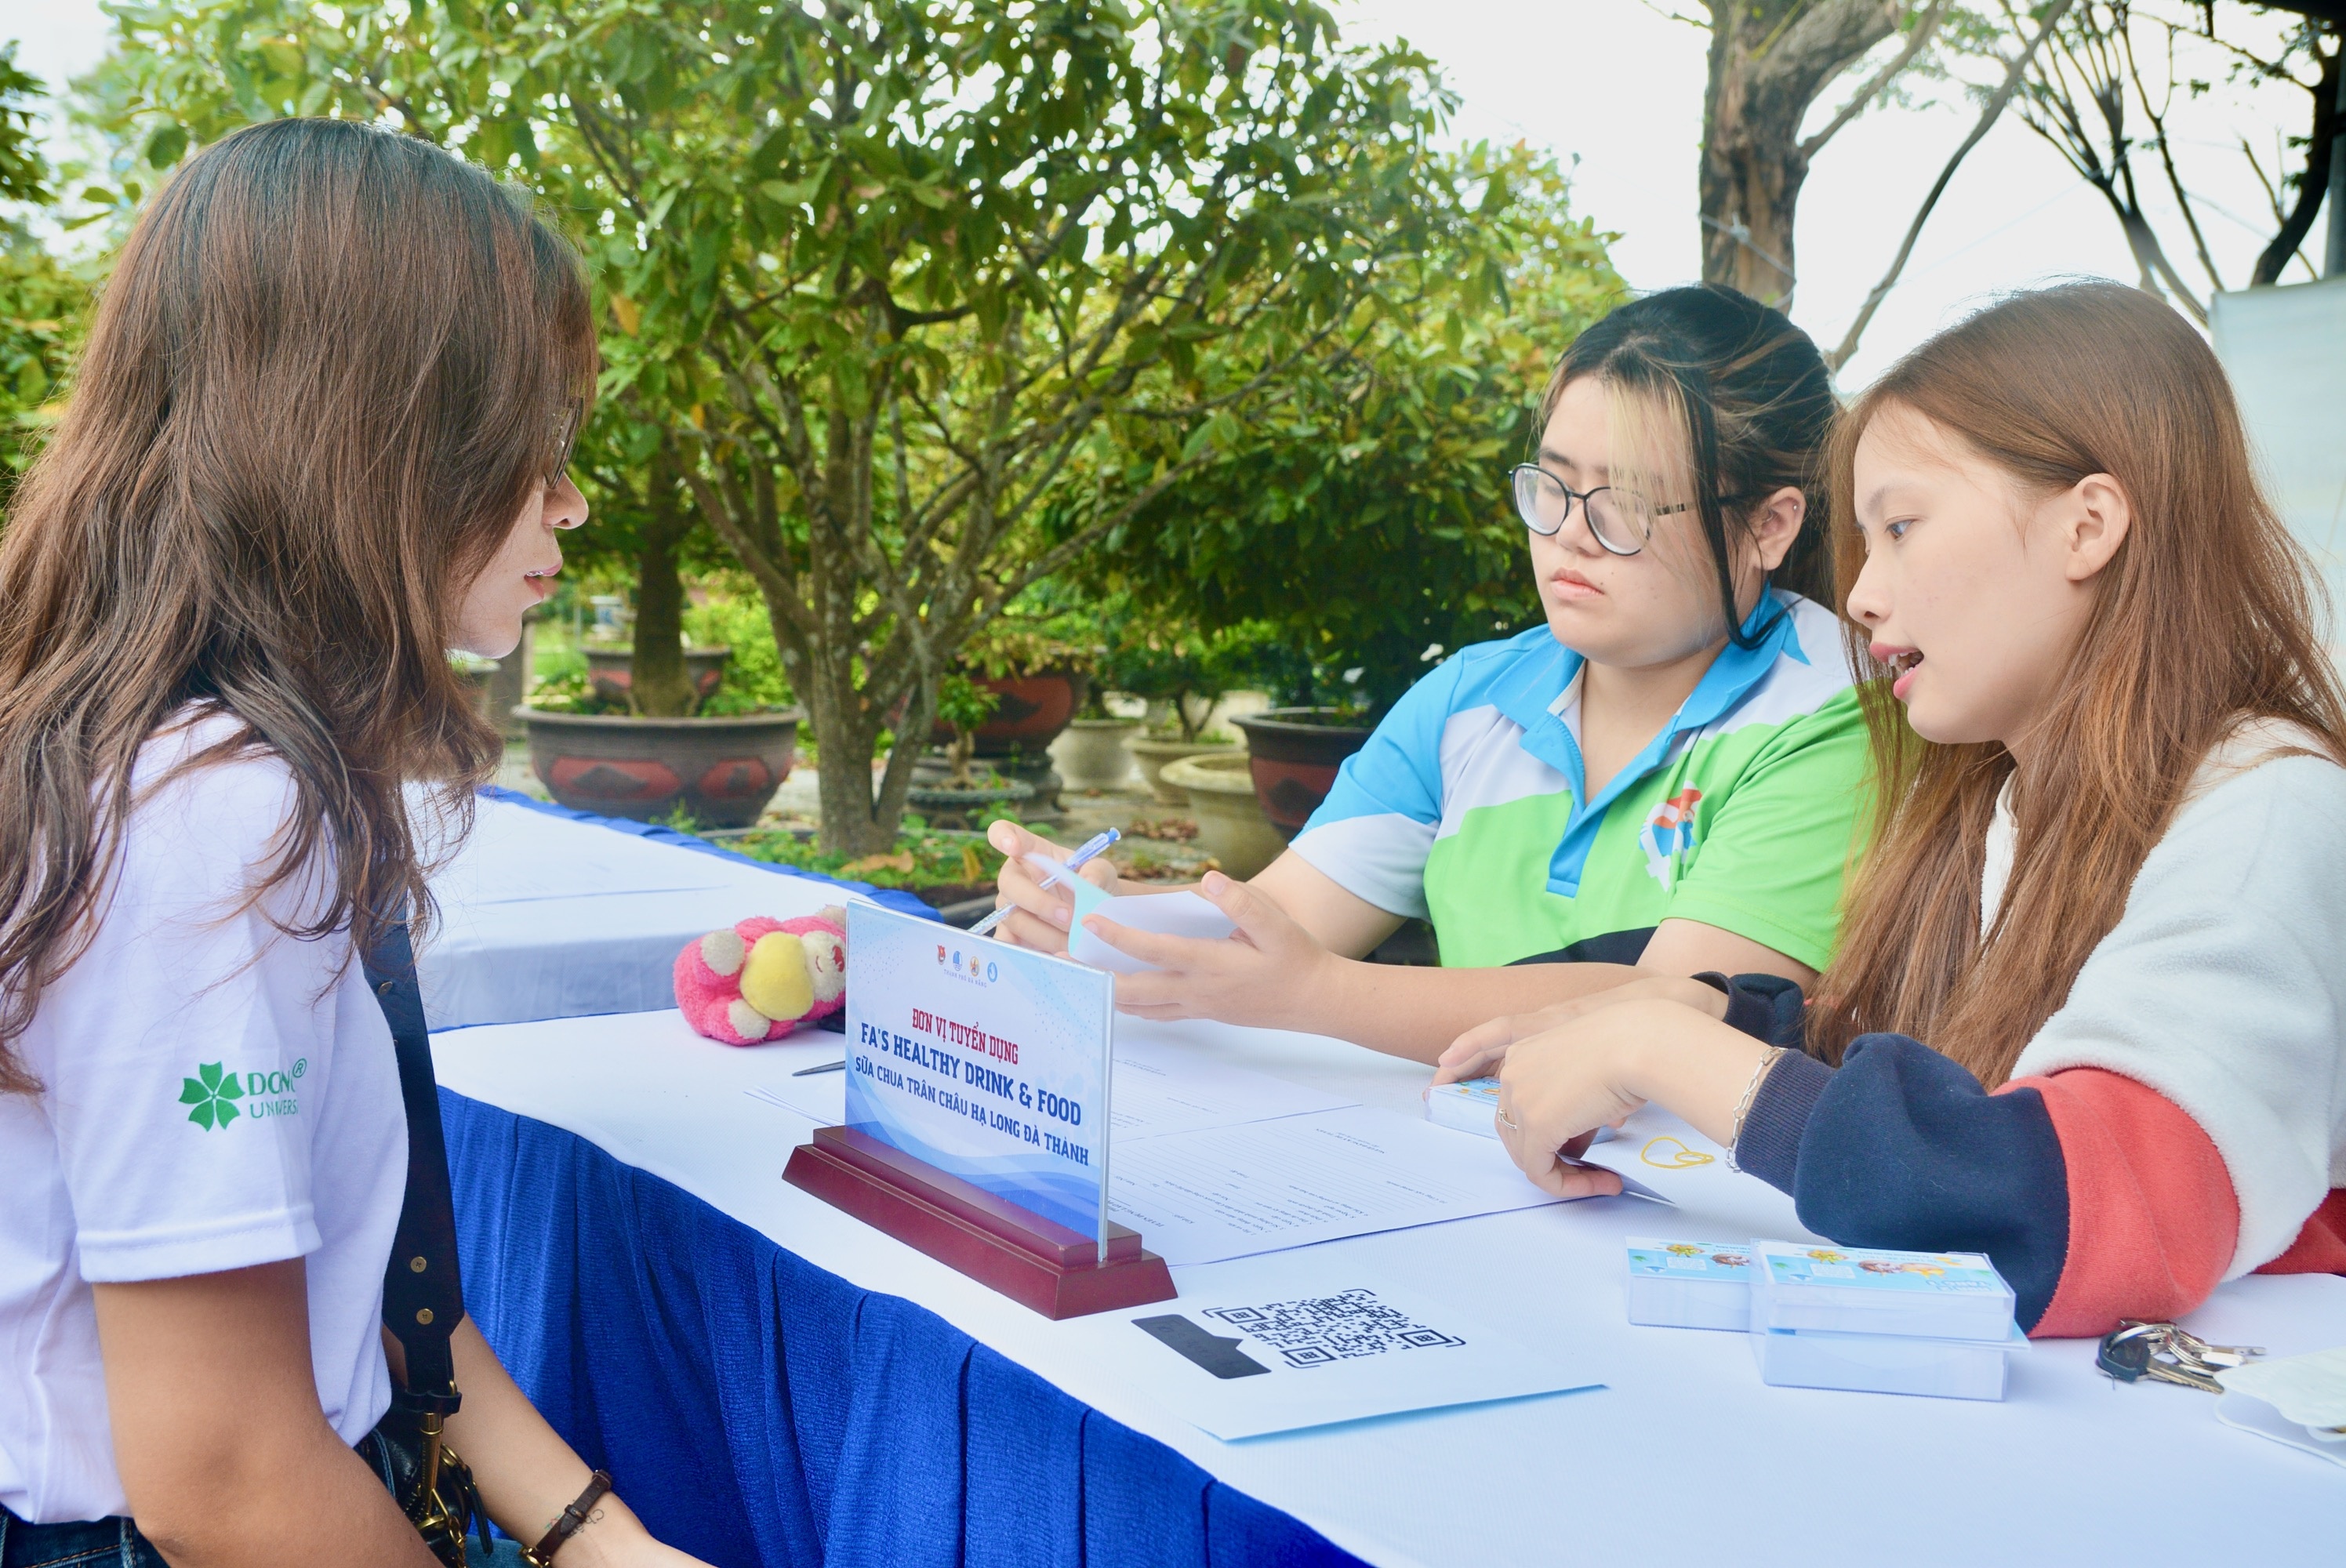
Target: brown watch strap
573	1520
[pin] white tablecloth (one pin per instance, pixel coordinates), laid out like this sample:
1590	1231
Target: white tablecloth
542	917
1686	1456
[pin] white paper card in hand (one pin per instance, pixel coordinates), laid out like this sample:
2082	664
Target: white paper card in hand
1165	914
1630	1185
1245	1366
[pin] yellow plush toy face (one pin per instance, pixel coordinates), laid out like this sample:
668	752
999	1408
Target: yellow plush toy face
775	980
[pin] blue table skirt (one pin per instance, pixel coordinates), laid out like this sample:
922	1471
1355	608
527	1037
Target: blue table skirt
754	1408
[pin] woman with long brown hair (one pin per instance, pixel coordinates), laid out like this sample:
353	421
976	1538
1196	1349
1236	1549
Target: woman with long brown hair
2087	1016
317	441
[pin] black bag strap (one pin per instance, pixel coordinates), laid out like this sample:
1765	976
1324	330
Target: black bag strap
423	1293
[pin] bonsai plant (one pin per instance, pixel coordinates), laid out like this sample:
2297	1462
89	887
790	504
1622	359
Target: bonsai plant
964	707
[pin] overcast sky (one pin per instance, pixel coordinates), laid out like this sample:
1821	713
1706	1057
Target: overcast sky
1619	85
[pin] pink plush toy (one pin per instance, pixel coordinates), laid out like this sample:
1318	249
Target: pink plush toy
762	978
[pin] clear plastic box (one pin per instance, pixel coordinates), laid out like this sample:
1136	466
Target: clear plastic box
1814	1288
1883	1363
1690	1284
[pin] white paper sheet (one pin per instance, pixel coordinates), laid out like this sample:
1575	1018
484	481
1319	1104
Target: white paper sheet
1214	1162
1161	1089
1241	1362
1181	914
1231	1192
820	1099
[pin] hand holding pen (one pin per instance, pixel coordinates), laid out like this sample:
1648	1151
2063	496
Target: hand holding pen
1051	874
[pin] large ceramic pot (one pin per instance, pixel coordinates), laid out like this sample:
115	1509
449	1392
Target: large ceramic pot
1231	824
611	671
721	770
1091	754
1154	756
1032	711
1293	754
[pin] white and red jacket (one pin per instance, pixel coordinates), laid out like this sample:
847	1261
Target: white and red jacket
2179	1122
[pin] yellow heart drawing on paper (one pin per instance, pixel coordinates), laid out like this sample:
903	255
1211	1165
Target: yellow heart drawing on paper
1684	1158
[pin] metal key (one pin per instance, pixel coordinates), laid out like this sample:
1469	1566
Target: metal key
2131	1354
2191	1350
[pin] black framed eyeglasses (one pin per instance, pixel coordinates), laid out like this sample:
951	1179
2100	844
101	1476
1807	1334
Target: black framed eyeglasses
1620	520
566	426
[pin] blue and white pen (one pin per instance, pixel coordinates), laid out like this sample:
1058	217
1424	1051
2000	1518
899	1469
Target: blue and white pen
1052	876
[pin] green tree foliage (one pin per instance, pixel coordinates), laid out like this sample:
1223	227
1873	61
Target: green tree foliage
24	173
890	274
42	302
1151	652
1362	516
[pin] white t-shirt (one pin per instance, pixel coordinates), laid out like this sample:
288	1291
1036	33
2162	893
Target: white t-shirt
215	1094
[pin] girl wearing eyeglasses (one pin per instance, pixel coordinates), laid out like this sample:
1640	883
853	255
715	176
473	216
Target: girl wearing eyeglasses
1666	774
2086	1018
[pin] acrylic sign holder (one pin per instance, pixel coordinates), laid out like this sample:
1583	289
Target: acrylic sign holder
1034	1261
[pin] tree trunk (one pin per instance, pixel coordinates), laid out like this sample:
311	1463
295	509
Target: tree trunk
861	814
1769	61
658	684
2313	182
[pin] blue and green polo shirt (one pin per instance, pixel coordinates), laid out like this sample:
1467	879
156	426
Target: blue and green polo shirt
1468	807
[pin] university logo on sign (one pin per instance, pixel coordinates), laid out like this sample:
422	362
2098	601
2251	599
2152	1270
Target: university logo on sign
970	968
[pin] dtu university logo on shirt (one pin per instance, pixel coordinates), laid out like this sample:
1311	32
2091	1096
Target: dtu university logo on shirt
1667	836
219	1097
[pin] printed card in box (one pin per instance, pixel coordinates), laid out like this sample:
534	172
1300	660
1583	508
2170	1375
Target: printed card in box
1690	1284
1883	1363
1864	1290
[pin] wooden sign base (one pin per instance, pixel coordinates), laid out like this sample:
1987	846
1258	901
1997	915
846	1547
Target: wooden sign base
1030	1259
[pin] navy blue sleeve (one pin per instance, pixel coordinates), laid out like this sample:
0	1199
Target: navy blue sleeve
1765	1006
1901	1147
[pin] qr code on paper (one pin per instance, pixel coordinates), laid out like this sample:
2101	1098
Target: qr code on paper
1321	1330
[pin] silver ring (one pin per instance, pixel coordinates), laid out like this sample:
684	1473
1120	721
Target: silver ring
1508	1122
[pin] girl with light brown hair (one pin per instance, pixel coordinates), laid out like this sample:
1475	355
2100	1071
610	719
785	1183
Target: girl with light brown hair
2087	1015
318	440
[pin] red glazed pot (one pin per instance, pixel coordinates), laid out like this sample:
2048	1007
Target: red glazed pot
1293	754
611	671
721	770
1032	711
